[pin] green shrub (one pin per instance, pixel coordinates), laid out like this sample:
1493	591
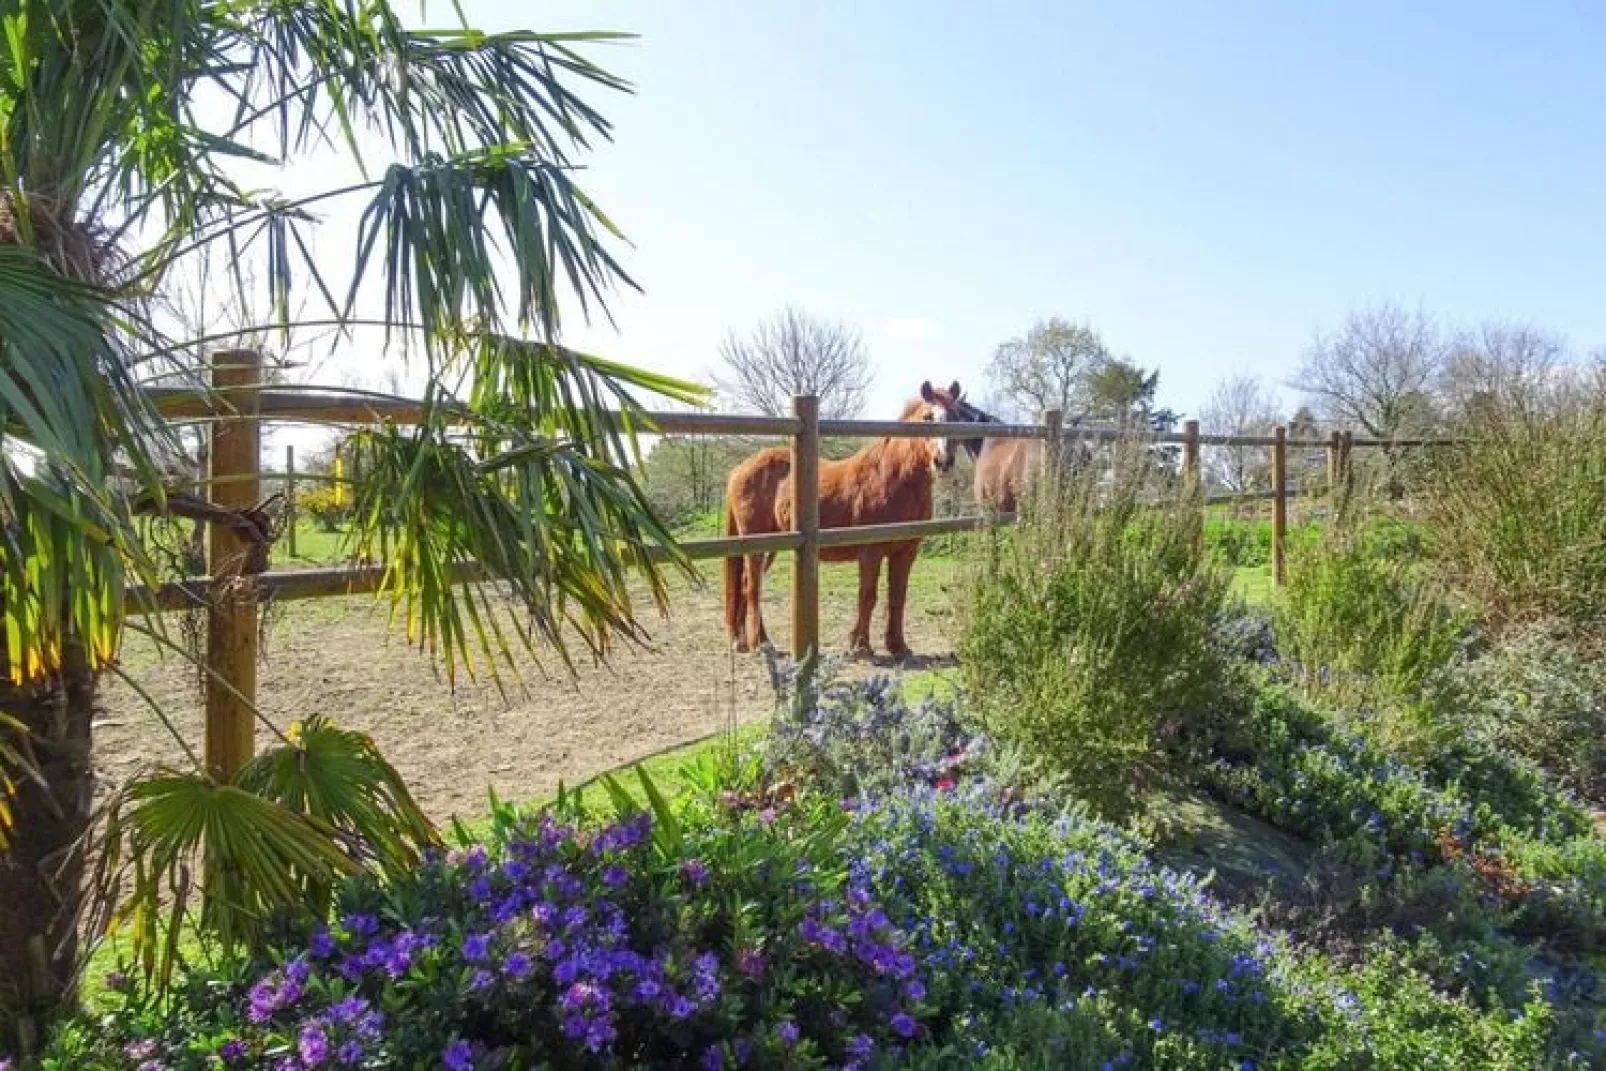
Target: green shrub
1518	513
1360	621
1087	630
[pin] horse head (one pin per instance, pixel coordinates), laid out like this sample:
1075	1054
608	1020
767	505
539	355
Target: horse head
939	405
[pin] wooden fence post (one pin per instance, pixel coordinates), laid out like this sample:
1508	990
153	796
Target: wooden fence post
1053	421
806	560
290	496
1190	454
231	627
1346	462
1279	507
1335	449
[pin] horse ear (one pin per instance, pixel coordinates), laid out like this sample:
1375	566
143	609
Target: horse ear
926	392
953	391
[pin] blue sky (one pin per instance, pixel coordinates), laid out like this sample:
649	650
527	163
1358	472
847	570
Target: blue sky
1208	188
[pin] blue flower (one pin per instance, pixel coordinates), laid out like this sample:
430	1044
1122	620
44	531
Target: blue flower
458	1056
476	947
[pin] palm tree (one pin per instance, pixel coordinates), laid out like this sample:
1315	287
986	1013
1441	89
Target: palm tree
125	128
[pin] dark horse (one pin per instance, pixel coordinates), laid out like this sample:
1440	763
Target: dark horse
886	482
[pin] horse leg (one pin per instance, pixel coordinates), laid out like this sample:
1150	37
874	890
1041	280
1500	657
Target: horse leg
869	580
899	566
755	590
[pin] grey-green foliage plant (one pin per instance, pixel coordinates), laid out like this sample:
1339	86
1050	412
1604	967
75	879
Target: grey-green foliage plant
1087	627
124	128
1539	691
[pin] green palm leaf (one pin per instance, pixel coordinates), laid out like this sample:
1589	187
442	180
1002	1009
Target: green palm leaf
260	859
339	778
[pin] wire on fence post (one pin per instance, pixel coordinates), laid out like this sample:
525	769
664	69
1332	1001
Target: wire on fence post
806	559
290	496
1279	507
231	632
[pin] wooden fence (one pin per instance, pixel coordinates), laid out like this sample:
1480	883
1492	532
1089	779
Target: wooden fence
240	403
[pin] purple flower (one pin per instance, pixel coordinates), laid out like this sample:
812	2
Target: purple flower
322	946
231	1050
350	1052
861	1046
615	876
518	966
750	962
681	1008
476	947
695	870
579	996
143	1049
481	979
713	1059
348	1010
314	1044
904	1026
361	925
599	1035
458	1056
787	1032
263	1000
116	980
914	990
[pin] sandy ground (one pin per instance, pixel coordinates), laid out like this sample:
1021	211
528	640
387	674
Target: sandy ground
338	656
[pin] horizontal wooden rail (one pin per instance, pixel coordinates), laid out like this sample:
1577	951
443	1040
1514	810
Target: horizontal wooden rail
867	534
293	584
333	406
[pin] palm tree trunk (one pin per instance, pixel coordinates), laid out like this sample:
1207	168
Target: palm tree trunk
41	876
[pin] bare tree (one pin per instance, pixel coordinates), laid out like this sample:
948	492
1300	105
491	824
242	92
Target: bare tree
1239	406
793	353
1498	363
1377	373
1048	367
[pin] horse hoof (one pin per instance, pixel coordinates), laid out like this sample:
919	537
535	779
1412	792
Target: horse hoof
741	647
861	652
900	655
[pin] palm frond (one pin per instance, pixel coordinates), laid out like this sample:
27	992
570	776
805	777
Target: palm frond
338	777
15	762
445	224
257	859
556	391
558	531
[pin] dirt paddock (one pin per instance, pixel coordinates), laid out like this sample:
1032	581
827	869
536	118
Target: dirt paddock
339	657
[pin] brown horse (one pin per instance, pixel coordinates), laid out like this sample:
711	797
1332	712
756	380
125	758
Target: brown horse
888	481
1004	466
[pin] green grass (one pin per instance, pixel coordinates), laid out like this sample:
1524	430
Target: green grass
1253	584
314	546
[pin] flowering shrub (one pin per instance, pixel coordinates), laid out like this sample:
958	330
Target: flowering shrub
1043	935
859	737
658	940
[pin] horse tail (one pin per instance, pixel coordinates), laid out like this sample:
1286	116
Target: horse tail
733	579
